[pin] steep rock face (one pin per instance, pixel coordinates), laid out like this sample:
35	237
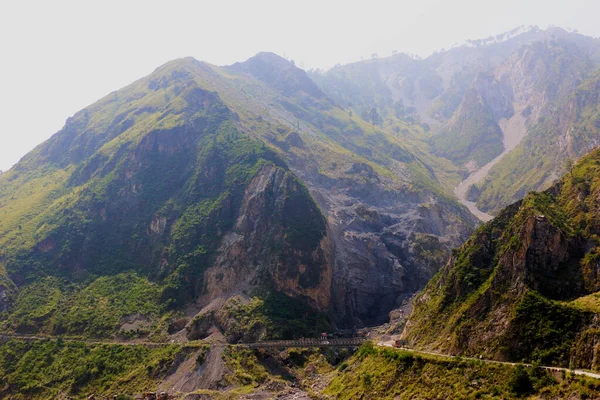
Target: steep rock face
389	226
523	286
296	259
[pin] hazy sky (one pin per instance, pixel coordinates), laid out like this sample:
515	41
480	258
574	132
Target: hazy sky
57	57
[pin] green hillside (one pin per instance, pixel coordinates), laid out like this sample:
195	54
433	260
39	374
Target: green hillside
123	211
196	183
521	288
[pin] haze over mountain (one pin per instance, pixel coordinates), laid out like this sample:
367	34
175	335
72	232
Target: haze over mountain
488	106
108	59
234	204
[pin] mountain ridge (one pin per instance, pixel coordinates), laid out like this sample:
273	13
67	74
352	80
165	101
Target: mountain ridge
161	178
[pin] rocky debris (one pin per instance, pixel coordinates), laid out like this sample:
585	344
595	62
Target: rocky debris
198	397
294	394
135	322
158	225
191	375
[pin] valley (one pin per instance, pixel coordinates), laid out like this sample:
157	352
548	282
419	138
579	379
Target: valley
258	231
513	131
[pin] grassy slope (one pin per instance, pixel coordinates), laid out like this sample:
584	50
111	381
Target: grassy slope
472	134
335	139
394	374
484	302
54	369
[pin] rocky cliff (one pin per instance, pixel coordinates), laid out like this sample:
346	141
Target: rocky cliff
523	286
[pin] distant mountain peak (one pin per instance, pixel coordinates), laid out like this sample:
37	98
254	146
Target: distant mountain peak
272	58
278	73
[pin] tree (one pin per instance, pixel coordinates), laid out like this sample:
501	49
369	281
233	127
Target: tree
520	382
374	116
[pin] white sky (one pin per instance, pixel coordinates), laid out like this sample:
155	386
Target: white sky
57	57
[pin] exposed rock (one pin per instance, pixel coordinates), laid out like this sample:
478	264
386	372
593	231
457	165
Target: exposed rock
177	325
158	225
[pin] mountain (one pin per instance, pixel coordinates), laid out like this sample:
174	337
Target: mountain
567	131
202	196
524	286
490	107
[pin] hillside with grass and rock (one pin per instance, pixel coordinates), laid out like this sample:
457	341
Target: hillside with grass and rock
524	286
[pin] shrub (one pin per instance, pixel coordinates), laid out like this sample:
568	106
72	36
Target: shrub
519	383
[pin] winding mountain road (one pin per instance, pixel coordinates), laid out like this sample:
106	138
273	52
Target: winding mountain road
582	372
353	342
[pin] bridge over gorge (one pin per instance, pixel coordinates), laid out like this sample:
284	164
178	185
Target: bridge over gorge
308	342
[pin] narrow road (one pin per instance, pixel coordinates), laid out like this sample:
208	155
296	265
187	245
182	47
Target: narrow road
300	343
573	371
514	131
288	343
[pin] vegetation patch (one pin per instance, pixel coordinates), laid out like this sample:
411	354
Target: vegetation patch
375	372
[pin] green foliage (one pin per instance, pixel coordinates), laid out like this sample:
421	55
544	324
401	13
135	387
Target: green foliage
545	329
272	315
95	310
472	135
98	309
519	383
383	373
245	368
49	368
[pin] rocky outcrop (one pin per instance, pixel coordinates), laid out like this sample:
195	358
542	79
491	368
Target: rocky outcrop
264	243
